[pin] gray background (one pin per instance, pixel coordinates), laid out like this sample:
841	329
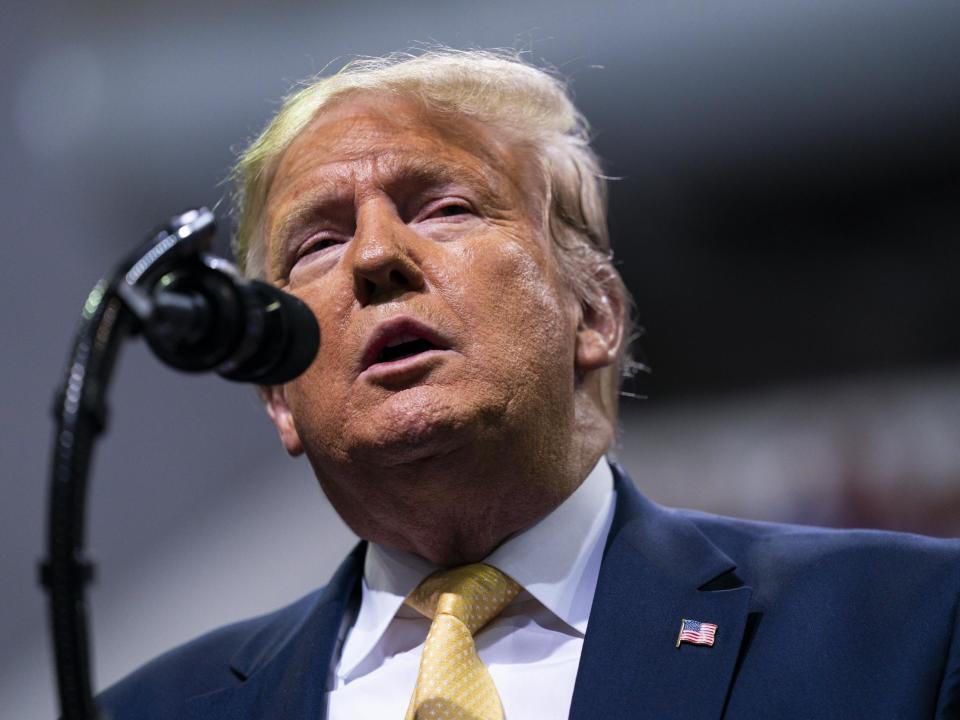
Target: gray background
786	214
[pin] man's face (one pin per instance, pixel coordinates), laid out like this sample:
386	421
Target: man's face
418	243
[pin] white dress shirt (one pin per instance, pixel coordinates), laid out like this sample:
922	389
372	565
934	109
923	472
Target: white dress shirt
532	648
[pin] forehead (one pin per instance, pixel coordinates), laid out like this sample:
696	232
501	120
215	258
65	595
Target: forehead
369	134
345	123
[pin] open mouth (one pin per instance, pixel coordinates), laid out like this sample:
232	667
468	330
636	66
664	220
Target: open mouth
399	339
402	347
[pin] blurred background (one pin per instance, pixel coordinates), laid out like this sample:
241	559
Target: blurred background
787	214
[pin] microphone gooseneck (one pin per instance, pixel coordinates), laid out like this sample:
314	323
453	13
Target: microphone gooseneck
197	313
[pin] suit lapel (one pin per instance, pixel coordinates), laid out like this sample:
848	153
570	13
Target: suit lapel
654	567
284	666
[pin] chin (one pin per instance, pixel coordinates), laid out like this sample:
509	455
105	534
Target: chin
415	424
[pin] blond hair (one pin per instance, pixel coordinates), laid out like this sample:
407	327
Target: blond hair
499	89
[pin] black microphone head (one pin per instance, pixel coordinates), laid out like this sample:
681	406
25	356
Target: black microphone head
289	341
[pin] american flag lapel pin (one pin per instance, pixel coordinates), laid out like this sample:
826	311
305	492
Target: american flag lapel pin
696	632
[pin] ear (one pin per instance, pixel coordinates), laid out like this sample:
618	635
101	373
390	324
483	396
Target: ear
599	333
275	400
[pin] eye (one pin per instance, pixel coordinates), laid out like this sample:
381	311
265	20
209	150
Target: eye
317	252
317	246
446	208
451	210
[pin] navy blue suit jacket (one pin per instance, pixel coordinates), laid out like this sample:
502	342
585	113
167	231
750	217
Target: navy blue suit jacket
812	623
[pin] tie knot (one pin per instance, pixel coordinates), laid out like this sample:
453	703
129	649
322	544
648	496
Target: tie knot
474	594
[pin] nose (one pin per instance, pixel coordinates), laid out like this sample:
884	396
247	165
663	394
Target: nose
383	266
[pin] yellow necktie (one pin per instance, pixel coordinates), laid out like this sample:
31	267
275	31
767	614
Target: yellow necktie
453	683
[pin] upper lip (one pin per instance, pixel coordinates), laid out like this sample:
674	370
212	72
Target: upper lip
394	329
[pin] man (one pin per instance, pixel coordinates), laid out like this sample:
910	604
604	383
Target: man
443	217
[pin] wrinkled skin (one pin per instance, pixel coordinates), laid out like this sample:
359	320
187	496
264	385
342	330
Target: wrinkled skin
381	209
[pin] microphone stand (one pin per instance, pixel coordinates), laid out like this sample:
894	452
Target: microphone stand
129	300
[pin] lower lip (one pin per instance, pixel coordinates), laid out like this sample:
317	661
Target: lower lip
403	368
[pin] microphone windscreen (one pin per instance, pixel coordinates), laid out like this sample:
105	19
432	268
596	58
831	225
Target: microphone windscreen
290	340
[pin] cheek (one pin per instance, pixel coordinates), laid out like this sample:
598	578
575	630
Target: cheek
331	304
317	398
515	304
316	406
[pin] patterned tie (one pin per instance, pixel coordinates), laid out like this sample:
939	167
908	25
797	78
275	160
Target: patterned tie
453	683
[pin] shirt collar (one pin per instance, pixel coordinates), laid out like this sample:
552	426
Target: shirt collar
557	561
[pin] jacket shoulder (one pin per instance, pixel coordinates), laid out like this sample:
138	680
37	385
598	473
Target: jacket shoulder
197	667
741	532
765	551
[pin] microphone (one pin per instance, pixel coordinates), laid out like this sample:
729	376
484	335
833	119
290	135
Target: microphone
199	313
205	316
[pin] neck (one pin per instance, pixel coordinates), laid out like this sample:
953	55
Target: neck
458	507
